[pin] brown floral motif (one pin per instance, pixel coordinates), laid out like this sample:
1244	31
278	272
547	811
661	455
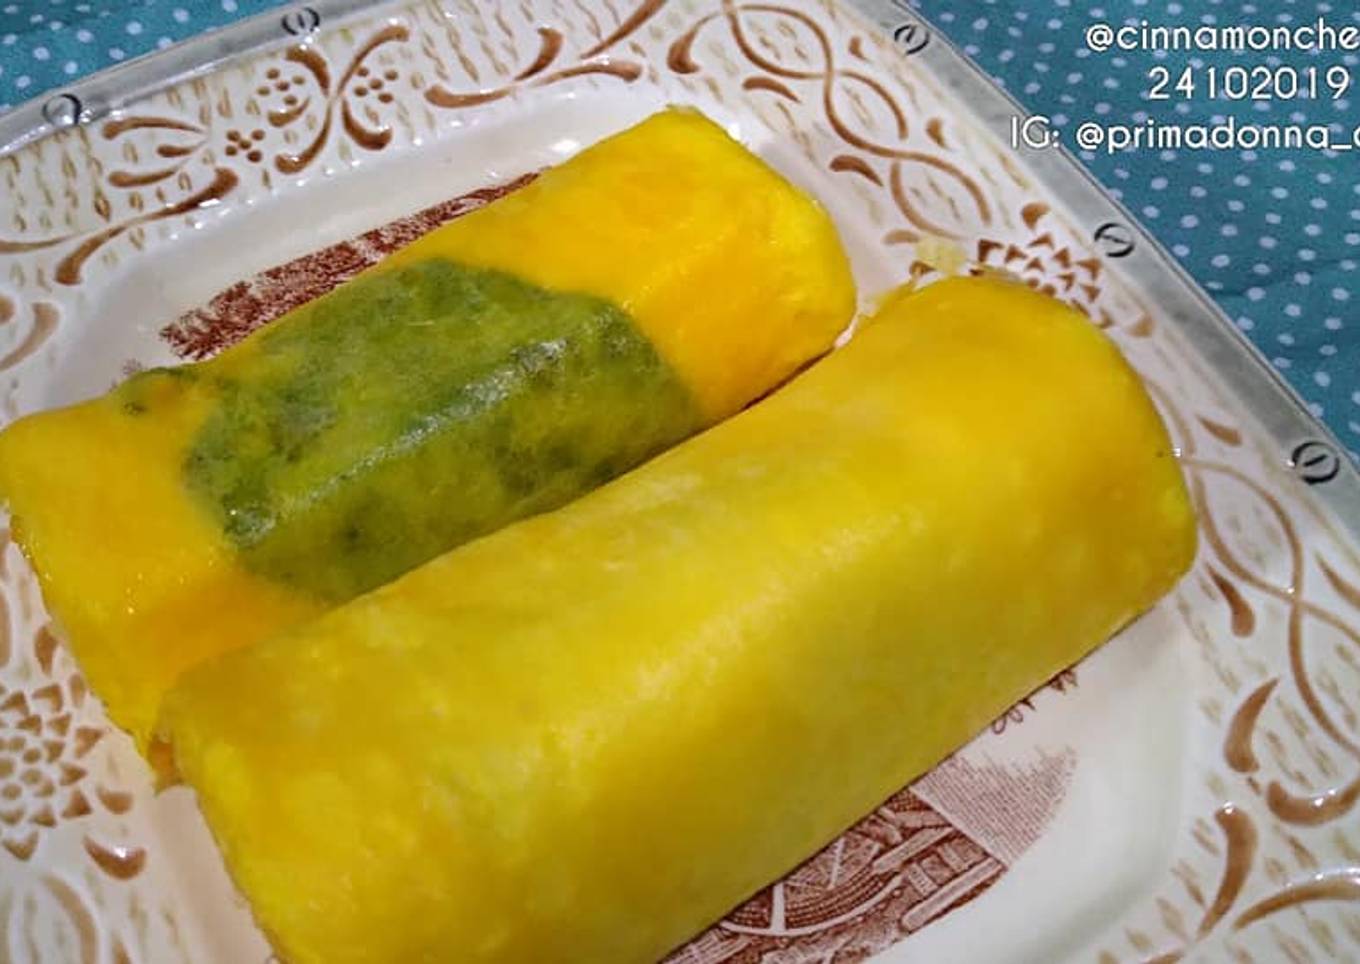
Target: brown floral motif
942	201
1240	852
1233	578
246	144
906	864
187	140
339	97
45	743
1230	576
68	269
179	141
595	60
64	904
44	323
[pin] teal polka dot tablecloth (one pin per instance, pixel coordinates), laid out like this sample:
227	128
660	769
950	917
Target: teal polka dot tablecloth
1272	233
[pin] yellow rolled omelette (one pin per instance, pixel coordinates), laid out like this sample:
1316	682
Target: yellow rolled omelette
588	735
497	367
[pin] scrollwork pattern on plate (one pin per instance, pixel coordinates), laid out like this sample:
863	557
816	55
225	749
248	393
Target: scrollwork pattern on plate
1273	604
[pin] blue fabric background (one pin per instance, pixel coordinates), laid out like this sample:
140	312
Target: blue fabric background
1273	235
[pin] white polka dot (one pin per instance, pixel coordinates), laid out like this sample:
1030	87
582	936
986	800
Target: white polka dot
1255	294
22	81
116	53
1322	378
1273	218
1235	205
1327	351
1189	221
1151	211
1293	311
134	27
1281	363
1158	183
1220	261
1318	203
1279	193
1260	268
1285	338
180	14
70	68
1246	324
1340	294
41	53
84	36
1266	241
1228	230
1307	254
1180	250
1302	278
1312	230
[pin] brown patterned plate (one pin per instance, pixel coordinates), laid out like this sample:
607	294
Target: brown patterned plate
1192	790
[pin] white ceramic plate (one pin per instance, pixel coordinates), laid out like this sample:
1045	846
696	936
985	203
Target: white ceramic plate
1190	790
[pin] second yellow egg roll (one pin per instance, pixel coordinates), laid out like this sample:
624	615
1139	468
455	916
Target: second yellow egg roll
590	734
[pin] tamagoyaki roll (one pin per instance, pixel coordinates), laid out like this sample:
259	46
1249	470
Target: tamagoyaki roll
498	367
